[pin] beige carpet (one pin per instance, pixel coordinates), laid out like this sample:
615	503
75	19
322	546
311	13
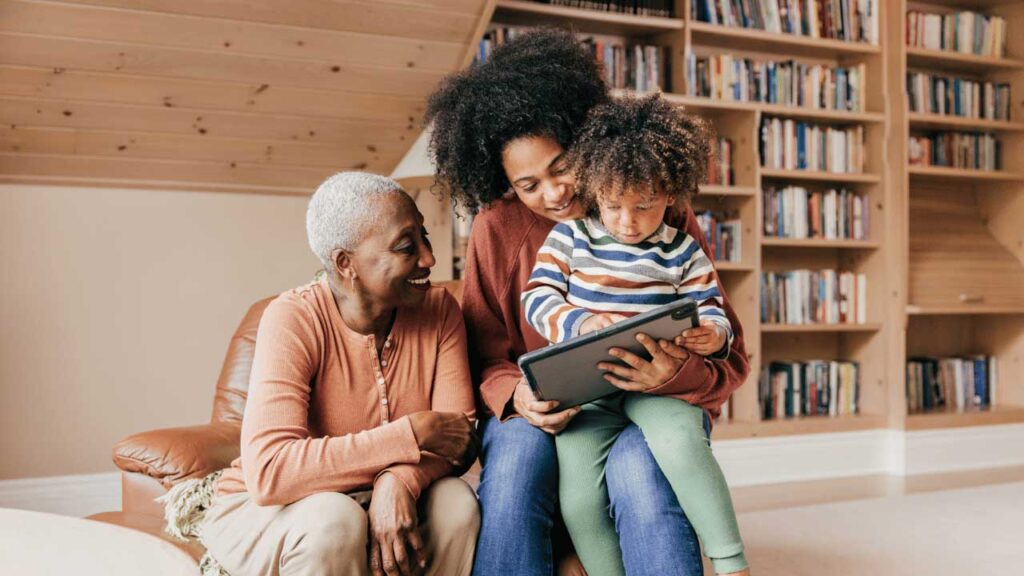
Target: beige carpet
955	533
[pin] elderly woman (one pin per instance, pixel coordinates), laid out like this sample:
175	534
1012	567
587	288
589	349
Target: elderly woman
360	382
501	130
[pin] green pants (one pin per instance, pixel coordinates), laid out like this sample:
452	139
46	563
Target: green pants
674	431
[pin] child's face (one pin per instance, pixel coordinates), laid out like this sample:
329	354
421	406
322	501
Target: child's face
633	215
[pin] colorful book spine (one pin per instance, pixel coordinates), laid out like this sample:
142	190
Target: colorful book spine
951	384
788	144
847	20
813	297
809	388
954	96
964	150
787	83
795	212
722	234
965	32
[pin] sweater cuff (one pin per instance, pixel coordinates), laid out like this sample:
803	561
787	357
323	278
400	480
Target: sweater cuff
692	375
497	392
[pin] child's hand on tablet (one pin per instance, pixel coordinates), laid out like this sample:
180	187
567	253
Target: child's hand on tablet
705	339
598	321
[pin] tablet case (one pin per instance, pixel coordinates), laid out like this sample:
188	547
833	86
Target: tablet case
568	371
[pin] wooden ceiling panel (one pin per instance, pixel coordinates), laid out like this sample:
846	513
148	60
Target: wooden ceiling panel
71	53
34	140
256	95
52	83
95	115
226	36
443	23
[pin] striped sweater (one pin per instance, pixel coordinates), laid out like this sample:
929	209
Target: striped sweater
582	269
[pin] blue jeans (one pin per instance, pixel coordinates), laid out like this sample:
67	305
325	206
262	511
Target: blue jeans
519	504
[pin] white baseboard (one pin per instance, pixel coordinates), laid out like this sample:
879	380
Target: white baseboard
745	462
777	459
76	495
949	449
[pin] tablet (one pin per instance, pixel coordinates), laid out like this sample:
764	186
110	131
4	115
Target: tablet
568	371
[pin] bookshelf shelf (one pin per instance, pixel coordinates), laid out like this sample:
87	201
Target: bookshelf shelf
818	243
941	172
795	328
955	61
736	429
760	40
717	190
820	176
943	419
531	13
723	266
698	103
913	310
937	121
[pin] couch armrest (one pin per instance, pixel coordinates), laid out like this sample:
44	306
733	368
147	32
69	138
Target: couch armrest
171	455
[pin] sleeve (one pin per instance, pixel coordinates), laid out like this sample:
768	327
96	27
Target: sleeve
281	462
491	347
708	381
544	303
452	391
699	283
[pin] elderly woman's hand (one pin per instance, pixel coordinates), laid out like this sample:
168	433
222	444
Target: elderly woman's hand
641	375
448	434
396	545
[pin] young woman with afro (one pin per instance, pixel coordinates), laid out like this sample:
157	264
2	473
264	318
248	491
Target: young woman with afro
501	133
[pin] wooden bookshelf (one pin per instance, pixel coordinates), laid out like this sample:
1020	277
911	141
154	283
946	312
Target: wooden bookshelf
524	13
810	175
948	419
768	241
941	172
935	233
924	121
718	190
961	264
761	41
792	328
702	104
957	62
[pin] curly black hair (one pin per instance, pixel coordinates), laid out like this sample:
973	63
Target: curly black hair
542	83
644	143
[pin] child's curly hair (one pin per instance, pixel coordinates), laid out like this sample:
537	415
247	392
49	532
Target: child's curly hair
639	143
542	83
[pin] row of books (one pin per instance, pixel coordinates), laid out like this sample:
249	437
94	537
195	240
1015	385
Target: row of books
643	68
795	212
723	235
813	297
811	388
795	145
663	8
850	20
962	97
968	150
966	32
789	83
636	67
720	171
951	384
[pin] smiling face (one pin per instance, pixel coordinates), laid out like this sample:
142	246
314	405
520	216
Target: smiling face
632	215
393	262
541	179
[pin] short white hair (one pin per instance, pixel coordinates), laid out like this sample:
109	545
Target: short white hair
344	209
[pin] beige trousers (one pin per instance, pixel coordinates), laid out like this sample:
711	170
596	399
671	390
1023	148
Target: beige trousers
326	534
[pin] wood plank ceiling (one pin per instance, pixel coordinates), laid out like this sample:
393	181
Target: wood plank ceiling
246	95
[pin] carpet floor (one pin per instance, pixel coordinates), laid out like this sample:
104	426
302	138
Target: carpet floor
954	532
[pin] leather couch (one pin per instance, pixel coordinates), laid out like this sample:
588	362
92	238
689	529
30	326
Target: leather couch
151	462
